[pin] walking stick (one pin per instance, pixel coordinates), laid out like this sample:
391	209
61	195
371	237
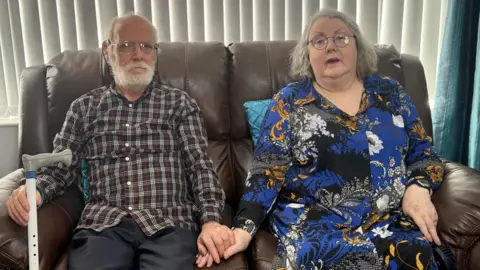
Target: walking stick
31	164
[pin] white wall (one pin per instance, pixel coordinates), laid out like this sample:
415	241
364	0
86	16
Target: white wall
8	148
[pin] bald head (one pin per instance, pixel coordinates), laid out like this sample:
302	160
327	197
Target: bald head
131	23
131	52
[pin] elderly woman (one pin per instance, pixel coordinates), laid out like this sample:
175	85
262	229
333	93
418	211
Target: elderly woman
343	168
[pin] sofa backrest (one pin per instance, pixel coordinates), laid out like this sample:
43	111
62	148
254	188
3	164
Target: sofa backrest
220	78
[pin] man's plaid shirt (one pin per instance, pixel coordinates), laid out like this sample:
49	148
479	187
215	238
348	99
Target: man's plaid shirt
146	159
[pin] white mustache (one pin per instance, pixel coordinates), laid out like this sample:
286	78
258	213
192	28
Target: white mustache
138	65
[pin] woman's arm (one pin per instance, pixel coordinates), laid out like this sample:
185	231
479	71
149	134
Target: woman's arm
424	167
271	159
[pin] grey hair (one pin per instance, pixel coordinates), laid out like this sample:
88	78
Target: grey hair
366	55
112	29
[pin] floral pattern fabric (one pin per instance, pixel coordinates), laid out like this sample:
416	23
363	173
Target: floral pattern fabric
331	184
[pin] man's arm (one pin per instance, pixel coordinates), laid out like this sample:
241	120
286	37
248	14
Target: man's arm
52	180
209	195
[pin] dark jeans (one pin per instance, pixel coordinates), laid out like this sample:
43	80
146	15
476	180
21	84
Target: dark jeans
125	246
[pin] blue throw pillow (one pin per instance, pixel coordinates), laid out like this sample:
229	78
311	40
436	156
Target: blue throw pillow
256	111
84	181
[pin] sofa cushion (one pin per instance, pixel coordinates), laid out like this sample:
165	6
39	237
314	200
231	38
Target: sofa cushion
256	110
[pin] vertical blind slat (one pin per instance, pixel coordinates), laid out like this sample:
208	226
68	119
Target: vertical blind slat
31	34
213	15
49	28
125	6
66	26
277	19
161	19
309	7
261	20
8	76
231	20
178	20
3	92
86	24
293	20
106	11
367	19
429	41
195	20
412	23
348	7
246	20
17	39
144	8
328	4
391	23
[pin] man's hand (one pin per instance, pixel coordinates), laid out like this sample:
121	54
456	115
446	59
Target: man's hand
242	240
418	205
214	240
18	206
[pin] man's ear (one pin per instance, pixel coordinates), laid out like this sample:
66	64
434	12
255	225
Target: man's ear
105	45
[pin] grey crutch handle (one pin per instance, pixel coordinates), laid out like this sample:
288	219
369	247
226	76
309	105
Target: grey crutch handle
32	163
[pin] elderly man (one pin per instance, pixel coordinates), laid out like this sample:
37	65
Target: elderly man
152	186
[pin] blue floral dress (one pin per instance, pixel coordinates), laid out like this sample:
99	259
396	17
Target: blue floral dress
331	184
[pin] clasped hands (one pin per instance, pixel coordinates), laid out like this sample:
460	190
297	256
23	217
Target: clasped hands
218	241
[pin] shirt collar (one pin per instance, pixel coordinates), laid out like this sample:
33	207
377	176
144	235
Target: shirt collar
145	94
311	95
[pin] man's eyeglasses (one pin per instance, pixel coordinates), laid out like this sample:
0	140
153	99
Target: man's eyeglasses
130	46
340	40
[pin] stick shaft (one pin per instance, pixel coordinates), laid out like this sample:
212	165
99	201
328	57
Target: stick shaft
32	224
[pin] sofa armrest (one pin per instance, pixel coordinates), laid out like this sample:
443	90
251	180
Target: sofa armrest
458	205
56	221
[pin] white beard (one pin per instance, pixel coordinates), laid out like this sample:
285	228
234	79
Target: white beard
131	82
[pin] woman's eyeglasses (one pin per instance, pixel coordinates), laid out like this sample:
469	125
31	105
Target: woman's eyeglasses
340	40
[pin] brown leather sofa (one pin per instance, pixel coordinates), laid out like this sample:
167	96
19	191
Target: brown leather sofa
221	79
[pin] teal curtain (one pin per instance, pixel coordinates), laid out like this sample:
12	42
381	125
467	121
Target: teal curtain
456	113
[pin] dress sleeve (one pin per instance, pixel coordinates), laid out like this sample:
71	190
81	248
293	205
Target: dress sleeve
424	167
266	178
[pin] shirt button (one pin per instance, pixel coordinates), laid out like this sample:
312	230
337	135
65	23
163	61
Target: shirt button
127	125
127	158
129	183
127	145
130	208
130	105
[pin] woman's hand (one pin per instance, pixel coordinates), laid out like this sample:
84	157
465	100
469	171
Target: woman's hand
242	240
418	205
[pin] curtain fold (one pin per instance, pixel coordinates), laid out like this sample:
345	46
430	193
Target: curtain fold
457	103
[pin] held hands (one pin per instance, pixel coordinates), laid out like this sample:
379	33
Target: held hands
213	241
239	242
418	205
18	206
